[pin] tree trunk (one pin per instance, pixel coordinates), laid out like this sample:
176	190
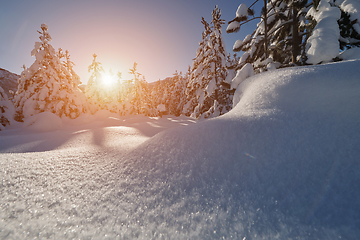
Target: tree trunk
265	26
295	35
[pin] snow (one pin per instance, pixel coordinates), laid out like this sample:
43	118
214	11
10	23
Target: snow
210	88
233	27
242	11
323	44
45	121
351	7
350	54
245	72
283	164
161	108
244	57
237	45
44	27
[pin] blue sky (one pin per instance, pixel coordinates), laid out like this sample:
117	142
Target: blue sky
160	35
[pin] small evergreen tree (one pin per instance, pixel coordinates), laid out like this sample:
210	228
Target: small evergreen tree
140	100
135	98
47	85
157	94
94	86
176	97
148	107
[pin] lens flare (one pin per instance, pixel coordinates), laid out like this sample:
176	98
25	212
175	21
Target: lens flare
109	79
247	154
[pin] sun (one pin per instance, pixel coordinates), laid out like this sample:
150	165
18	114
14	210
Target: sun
109	79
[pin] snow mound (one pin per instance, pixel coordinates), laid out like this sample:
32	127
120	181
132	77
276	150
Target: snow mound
99	116
43	122
282	164
350	54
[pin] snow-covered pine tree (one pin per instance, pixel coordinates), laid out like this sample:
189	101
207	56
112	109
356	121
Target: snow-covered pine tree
140	99
197	73
7	110
93	90
113	93
156	96
217	98
165	93
206	91
323	44
161	96
278	40
47	85
349	23
148	107
104	91
176	97
120	92
336	28
135	97
70	67
287	31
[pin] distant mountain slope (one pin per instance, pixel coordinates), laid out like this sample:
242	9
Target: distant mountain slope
8	81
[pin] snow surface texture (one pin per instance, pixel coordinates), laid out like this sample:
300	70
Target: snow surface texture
283	164
45	121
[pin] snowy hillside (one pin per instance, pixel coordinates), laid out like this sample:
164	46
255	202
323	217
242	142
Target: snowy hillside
283	164
8	81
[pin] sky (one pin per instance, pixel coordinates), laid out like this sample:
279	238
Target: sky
160	35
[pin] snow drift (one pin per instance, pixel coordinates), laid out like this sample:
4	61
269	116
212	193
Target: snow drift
283	164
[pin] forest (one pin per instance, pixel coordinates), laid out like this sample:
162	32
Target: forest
288	33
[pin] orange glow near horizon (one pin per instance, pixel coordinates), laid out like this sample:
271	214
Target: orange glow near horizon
119	46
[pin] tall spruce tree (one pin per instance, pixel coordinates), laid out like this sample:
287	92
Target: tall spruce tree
47	85
217	97
197	72
277	40
205	86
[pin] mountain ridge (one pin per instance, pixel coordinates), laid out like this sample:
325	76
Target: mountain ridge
8	81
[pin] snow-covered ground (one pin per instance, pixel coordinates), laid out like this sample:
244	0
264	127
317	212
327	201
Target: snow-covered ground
283	164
